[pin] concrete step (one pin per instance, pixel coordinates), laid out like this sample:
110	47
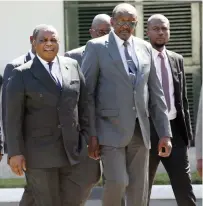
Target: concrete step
162	195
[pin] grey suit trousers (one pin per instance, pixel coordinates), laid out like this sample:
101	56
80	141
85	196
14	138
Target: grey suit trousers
126	172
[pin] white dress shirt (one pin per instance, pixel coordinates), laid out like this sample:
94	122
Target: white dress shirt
31	54
130	48
55	72
157	61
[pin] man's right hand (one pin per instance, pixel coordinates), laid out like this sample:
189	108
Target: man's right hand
17	164
93	148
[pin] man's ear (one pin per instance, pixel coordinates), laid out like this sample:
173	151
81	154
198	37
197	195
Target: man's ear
147	33
31	39
111	21
34	43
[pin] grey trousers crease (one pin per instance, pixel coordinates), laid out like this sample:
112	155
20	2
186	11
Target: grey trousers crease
126	172
27	197
63	186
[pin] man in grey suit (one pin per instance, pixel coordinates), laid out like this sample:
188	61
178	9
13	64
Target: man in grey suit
198	137
100	26
47	121
121	77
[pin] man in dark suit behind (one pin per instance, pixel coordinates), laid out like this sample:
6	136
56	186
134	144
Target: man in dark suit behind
27	198
46	120
170	70
9	68
100	26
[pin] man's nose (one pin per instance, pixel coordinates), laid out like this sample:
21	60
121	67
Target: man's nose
49	43
160	32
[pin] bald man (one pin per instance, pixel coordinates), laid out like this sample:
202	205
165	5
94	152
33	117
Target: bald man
100	26
120	76
170	70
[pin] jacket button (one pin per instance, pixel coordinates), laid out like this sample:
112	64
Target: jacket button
58	108
134	108
59	126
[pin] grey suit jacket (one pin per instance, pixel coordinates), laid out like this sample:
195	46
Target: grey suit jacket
6	75
76	54
198	136
113	103
44	123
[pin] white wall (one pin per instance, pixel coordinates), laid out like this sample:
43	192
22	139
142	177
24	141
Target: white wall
17	21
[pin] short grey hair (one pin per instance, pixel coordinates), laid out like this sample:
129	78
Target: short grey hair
123	7
43	27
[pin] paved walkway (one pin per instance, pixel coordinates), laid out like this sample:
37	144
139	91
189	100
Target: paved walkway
161	196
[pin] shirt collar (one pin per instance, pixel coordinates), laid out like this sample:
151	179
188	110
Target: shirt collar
120	41
156	53
45	63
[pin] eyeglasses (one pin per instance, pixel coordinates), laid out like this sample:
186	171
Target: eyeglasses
101	32
127	23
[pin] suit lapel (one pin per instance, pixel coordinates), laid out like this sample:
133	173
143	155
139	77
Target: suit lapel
43	76
64	73
138	54
174	71
115	55
173	66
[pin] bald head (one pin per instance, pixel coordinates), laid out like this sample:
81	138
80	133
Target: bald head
101	19
157	18
124	8
101	25
158	31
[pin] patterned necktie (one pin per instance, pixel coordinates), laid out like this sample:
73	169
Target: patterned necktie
131	65
165	81
54	77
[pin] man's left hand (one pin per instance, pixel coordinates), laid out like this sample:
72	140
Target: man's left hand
164	147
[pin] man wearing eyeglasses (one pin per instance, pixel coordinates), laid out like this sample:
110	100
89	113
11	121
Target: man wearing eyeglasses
100	26
121	77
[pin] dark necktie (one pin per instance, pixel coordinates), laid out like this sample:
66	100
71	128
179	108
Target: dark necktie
56	80
165	81
131	65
